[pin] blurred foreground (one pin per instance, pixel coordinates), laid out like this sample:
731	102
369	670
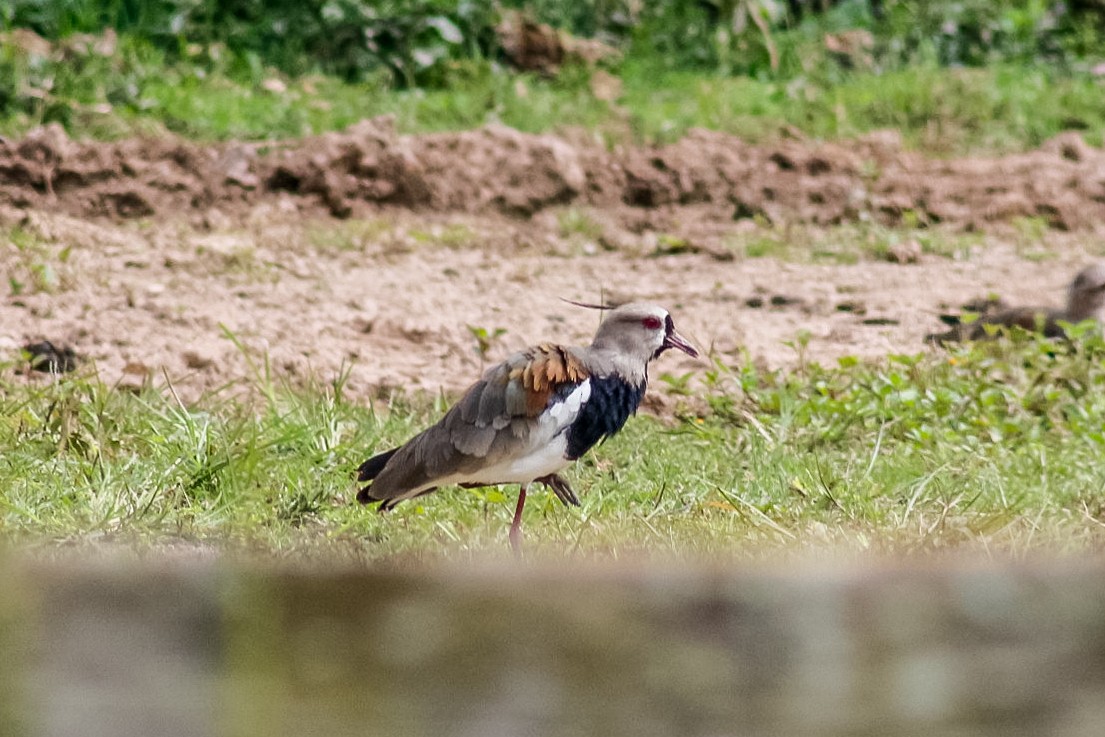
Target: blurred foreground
208	648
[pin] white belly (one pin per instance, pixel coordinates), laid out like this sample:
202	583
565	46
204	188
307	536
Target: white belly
542	459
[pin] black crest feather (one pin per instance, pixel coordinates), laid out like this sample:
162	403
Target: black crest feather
588	305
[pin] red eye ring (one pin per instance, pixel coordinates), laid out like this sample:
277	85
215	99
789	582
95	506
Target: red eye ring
652	323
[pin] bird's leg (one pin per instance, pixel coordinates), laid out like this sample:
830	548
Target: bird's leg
516	525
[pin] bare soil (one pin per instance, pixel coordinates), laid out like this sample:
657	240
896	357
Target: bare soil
166	260
500	170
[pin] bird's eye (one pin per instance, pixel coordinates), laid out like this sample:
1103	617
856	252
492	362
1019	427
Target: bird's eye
652	323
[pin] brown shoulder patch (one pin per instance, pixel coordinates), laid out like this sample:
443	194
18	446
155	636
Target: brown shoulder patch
547	367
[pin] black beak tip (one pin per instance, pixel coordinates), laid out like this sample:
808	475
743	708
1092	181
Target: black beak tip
676	341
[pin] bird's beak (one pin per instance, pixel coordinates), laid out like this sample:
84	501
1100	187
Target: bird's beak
675	340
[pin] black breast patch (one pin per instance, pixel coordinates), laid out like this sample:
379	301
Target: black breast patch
612	401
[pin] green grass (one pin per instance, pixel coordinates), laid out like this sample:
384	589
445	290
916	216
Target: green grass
947	111
943	111
851	243
1004	107
994	448
36	265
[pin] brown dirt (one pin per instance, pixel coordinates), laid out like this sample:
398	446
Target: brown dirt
158	251
500	170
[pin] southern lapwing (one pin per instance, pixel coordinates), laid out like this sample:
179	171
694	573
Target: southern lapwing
1085	300
531	416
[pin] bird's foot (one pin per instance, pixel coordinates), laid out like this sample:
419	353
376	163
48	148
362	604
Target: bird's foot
561	488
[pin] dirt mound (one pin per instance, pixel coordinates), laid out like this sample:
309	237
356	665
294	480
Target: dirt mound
502	170
47	170
496	167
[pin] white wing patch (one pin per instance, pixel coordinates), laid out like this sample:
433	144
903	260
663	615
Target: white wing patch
565	412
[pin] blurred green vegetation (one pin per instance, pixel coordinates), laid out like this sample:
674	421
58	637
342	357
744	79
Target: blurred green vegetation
951	76
415	39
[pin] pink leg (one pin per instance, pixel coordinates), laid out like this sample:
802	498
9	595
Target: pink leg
516	525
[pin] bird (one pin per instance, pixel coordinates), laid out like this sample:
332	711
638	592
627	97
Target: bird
529	417
1085	301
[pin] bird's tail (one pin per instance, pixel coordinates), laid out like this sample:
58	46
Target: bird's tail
369	470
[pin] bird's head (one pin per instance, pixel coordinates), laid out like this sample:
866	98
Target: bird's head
1086	293
640	332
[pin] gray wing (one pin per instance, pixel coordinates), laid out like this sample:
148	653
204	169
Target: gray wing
493	419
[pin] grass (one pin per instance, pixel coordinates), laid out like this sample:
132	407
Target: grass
994	447
37	266
851	243
944	111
